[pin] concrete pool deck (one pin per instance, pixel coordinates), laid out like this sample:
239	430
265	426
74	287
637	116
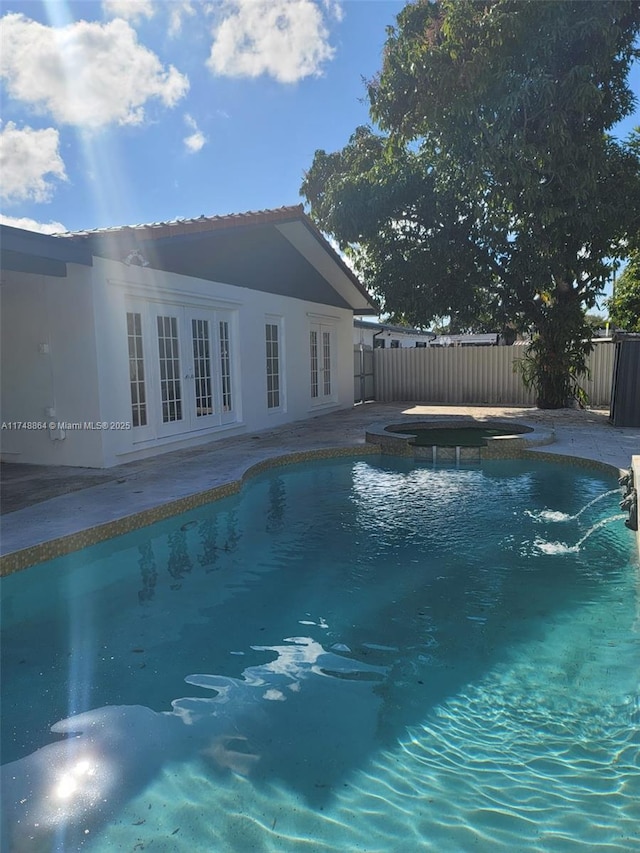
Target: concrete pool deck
48	511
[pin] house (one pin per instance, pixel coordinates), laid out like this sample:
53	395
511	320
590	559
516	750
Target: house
123	343
373	335
467	340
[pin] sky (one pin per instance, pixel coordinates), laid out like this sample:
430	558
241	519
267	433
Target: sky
135	111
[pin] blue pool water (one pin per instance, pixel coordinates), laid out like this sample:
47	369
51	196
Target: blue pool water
347	656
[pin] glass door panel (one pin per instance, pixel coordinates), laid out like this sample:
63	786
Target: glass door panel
203	385
227	389
321	353
169	372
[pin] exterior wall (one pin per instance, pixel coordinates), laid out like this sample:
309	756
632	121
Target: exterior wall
473	375
49	369
116	287
65	360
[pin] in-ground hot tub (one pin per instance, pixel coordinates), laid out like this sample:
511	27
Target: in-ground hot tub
446	439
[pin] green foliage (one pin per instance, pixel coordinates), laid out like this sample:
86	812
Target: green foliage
594	322
493	194
624	305
554	362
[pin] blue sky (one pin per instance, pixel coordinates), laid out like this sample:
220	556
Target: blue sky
118	113
128	111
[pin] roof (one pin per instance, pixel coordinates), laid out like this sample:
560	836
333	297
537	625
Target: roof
279	251
43	254
154	230
290	222
387	327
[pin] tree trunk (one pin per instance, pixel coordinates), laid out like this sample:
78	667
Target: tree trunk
560	352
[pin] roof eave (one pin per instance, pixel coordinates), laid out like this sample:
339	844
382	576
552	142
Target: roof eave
307	239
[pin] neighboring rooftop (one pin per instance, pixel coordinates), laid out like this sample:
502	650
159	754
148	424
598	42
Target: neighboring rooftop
387	327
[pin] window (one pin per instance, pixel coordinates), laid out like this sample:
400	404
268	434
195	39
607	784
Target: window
395	344
273	365
225	366
326	363
202	367
321	363
169	359
136	370
313	341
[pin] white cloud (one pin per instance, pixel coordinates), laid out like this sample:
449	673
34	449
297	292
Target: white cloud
31	224
196	140
334	8
28	160
85	74
131	10
287	39
178	10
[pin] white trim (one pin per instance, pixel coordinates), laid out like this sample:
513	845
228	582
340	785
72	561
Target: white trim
169	295
148	448
310	247
323	318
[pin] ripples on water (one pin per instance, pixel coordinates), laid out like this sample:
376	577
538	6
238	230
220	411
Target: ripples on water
348	656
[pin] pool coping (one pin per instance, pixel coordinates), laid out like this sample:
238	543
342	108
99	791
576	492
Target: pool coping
226	469
507	446
40	552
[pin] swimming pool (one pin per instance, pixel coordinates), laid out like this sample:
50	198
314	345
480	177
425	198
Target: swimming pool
349	655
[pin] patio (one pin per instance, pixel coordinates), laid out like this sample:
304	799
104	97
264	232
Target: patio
48	511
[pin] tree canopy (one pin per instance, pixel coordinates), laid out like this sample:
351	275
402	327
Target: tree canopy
624	304
490	190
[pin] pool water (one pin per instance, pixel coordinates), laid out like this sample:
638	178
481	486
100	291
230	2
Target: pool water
349	655
456	436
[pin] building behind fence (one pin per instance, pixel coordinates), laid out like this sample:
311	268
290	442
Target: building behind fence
465	375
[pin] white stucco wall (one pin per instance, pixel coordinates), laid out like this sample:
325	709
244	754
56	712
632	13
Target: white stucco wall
117	287
48	369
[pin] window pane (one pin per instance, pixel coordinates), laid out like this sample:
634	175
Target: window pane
225	366
272	365
169	358
136	369
202	367
326	363
313	341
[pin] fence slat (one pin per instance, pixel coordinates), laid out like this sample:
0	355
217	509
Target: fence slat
474	375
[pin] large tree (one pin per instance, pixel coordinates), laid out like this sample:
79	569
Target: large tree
491	191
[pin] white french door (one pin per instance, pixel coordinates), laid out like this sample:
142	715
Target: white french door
185	358
170	365
322	363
